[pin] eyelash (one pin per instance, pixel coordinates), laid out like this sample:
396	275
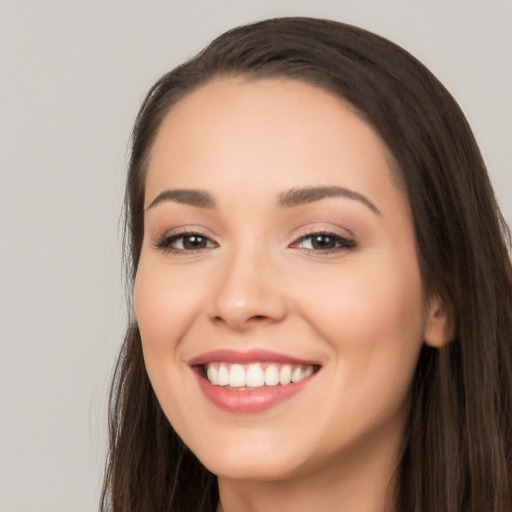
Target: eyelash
341	243
165	243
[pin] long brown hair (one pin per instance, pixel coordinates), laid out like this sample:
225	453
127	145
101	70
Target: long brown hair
458	449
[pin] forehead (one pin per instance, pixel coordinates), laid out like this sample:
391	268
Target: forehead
282	131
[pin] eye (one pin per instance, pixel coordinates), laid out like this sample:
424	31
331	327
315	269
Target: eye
185	242
324	242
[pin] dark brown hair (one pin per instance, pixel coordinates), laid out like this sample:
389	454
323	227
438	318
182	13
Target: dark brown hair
458	449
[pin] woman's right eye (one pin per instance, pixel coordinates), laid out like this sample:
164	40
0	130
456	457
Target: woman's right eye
185	243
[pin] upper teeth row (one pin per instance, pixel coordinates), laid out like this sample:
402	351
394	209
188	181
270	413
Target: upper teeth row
254	375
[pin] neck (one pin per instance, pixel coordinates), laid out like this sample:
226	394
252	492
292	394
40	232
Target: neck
361	482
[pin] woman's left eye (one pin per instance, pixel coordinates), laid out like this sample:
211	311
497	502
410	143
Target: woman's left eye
324	242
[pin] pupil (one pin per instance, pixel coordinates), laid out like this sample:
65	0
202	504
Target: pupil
194	242
323	242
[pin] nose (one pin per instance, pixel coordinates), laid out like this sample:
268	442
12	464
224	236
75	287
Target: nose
248	292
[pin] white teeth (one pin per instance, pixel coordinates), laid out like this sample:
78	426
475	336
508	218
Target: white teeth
237	376
285	375
272	375
256	375
307	372
296	374
213	375
223	375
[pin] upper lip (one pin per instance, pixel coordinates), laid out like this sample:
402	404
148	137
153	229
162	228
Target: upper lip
247	357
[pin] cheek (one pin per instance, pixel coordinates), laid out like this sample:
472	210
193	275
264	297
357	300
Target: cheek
165	305
372	321
373	318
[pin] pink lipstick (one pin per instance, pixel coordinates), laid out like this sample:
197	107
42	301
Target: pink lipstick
251	381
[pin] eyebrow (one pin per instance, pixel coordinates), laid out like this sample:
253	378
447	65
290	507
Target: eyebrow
300	196
191	197
289	199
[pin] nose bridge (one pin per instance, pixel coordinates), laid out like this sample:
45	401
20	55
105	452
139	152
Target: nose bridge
247	289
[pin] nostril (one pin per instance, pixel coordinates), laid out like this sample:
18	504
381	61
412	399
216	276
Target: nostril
242	323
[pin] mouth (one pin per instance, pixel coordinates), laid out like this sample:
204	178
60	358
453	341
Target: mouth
251	381
255	375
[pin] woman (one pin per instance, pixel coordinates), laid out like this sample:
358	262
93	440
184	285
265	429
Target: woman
322	288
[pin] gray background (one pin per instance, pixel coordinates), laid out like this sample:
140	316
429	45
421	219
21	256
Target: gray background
72	75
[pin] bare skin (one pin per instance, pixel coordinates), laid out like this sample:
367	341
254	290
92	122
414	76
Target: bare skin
239	255
362	483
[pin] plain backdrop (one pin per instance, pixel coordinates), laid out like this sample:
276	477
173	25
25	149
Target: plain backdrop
72	75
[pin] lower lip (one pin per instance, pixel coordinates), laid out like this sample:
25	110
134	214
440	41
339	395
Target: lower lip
249	401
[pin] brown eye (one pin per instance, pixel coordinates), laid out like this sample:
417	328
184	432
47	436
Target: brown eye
324	242
194	242
185	243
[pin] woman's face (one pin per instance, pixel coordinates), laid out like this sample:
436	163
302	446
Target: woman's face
278	292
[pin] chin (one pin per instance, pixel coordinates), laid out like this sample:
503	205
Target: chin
237	468
257	458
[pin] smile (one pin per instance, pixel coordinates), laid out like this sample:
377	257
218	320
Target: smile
253	381
256	375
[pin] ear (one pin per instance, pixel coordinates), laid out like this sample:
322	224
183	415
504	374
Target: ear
439	328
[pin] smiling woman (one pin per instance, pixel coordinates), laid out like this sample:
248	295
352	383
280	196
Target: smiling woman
322	290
